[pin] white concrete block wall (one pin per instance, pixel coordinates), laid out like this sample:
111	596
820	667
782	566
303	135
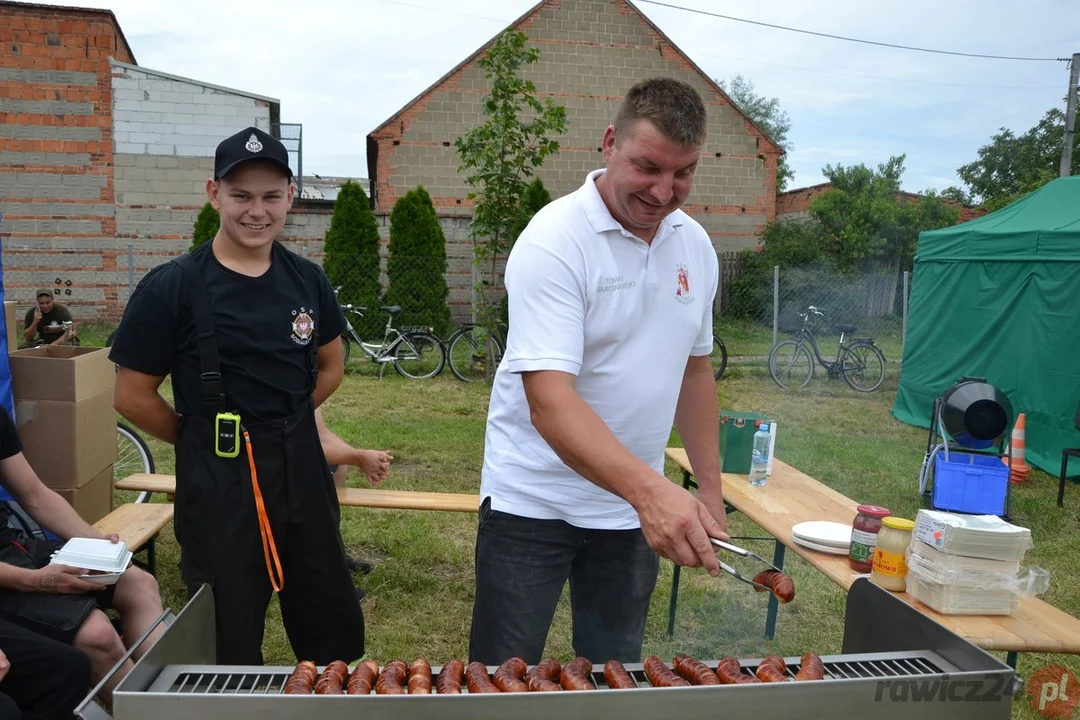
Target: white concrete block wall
155	115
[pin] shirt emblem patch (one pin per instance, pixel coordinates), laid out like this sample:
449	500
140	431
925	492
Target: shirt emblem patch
303	327
682	288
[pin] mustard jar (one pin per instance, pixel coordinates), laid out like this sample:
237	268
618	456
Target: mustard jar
889	568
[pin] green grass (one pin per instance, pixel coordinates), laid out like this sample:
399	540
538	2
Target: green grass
419	596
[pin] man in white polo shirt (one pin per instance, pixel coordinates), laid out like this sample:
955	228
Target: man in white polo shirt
610	294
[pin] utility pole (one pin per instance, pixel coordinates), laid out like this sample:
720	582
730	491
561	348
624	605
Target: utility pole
1070	119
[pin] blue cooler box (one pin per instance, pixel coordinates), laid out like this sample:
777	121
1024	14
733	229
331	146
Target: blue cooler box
970	483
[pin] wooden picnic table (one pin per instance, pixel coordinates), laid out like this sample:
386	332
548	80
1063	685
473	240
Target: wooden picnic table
790	497
350	497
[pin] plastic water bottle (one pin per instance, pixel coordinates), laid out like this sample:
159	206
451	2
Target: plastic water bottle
759	462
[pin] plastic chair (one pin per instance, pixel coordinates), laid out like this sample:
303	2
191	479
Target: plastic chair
1065	455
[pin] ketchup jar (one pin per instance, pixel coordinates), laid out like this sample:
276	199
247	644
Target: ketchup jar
864	530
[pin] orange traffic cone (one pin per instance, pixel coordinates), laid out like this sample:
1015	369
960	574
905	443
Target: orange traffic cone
1018	443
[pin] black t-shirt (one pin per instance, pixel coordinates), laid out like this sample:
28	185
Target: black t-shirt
9	445
264	329
50	327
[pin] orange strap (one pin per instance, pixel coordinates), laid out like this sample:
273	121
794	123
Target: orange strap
269	548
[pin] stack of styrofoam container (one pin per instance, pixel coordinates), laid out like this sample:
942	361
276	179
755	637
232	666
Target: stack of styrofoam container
966	564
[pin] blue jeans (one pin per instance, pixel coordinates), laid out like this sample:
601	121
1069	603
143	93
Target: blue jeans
521	567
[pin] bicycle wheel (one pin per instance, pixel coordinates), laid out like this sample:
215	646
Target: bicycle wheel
467	354
132	456
863	366
719	357
346	347
419	355
791	364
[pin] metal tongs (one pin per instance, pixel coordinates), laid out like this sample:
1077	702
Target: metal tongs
742	552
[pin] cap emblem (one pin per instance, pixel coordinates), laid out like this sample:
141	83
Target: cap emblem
253	144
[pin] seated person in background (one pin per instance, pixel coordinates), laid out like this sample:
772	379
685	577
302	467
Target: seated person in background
46	321
39	678
339	456
52	600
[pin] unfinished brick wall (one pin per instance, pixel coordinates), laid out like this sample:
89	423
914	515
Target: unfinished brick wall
592	52
56	156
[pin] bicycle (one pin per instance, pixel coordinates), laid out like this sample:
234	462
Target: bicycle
860	362
132	456
467	350
718	357
414	353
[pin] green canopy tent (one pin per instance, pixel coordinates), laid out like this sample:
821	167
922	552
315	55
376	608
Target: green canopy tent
999	298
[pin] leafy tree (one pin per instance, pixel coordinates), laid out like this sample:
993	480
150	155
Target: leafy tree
536	196
352	256
1011	166
502	154
767	115
416	264
206	226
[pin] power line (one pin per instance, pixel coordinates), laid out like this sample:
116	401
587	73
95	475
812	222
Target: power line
879	77
851	39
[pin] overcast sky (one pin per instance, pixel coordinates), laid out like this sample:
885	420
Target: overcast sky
341	67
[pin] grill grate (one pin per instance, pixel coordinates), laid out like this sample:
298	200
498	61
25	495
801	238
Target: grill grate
234	683
273	682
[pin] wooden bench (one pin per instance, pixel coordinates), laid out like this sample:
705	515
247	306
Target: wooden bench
351	497
790	497
138	525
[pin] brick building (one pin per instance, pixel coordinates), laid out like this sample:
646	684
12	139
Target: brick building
795	204
592	51
103	162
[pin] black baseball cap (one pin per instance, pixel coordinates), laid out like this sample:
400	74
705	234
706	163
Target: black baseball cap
250	144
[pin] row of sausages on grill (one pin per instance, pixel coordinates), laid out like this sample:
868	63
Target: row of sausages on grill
514	675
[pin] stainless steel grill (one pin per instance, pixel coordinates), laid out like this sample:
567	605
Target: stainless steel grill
895	662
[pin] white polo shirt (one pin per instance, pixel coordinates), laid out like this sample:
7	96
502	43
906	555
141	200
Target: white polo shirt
589	298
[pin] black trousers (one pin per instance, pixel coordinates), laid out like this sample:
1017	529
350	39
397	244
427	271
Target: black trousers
217	529
522	565
47	678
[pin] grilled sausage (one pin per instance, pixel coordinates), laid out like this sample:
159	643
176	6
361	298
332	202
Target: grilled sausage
508	676
617	677
575	675
772	669
420	677
694	671
544	676
811	668
392	679
660	675
332	680
730	673
477	679
363	677
782	586
450	678
302	679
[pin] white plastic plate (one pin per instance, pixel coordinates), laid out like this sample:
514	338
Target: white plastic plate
823	532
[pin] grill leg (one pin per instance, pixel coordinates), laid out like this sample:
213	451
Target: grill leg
770	619
1011	659
151	556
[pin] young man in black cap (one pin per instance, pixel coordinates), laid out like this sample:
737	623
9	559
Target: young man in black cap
250	333
48	321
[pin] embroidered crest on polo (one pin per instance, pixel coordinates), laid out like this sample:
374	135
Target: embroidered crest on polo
253	144
303	327
682	287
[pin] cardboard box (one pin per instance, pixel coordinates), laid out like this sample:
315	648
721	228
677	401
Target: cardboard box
68	443
737	440
14	327
94	500
63	373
